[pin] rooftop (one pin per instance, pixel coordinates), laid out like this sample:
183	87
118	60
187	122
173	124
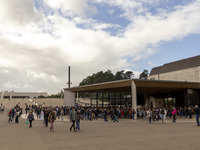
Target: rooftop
177	65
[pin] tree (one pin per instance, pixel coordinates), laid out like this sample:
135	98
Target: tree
119	75
107	76
129	74
144	74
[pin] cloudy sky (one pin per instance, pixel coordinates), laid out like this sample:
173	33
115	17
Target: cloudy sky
39	39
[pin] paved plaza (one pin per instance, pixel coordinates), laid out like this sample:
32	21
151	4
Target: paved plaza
99	135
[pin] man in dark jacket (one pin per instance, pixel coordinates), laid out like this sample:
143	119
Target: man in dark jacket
73	118
197	112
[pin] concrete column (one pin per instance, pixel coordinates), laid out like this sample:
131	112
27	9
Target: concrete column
69	98
134	97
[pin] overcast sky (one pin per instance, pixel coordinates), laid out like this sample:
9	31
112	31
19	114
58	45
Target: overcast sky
39	39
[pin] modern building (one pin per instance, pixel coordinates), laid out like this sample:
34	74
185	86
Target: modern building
173	84
182	70
12	94
134	92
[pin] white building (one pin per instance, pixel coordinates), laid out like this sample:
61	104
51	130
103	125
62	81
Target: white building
182	70
12	94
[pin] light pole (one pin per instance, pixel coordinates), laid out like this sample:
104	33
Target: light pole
69	82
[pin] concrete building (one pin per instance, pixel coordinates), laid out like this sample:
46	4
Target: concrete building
134	92
173	84
12	94
182	70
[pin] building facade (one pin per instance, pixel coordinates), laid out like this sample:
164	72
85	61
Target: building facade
182	70
12	94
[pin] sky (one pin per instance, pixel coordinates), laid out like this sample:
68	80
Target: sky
39	39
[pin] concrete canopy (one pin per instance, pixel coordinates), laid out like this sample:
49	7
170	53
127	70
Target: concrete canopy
142	86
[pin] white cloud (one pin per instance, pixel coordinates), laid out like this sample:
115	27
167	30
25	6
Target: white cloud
18	12
72	7
36	52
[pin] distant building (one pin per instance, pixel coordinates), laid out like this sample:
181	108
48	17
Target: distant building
182	70
12	94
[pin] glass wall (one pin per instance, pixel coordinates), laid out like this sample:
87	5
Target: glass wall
109	99
170	101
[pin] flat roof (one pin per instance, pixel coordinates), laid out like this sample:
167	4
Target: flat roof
142	85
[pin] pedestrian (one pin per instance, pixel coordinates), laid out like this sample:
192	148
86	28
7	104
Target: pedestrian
73	118
133	114
42	117
10	116
149	115
46	116
153	115
197	112
16	117
174	112
162	114
78	120
62	114
165	116
13	113
105	115
51	119
30	118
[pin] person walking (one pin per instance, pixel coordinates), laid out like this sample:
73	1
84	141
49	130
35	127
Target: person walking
62	114
153	115
73	118
197	112
105	115
46	116
10	116
51	119
149	115
42	117
174	112
17	117
133	114
30	118
78	120
165	116
162	114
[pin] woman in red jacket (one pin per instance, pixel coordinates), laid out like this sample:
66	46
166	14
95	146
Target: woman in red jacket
174	112
10	115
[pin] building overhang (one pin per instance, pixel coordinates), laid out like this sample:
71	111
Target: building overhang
142	86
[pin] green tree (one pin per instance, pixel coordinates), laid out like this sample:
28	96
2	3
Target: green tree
119	75
107	76
129	74
144	74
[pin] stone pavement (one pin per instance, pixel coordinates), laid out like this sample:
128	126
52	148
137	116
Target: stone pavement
100	135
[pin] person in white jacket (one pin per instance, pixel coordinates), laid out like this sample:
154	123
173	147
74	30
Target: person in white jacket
149	115
165	114
42	116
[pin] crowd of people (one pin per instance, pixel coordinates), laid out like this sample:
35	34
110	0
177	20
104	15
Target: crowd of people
48	115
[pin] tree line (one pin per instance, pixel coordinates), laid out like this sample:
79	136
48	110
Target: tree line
107	76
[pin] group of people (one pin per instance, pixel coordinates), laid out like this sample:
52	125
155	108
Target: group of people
50	114
163	112
14	114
